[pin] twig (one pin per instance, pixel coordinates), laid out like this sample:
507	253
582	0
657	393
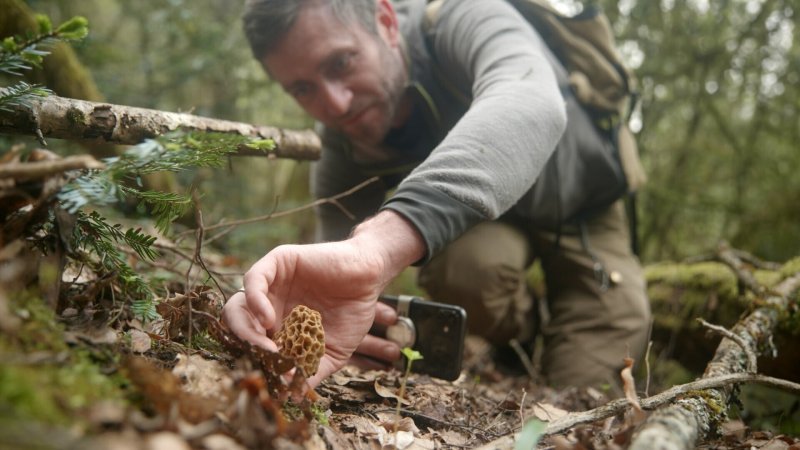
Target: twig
754	261
751	357
727	256
42	169
332	200
198	255
647	368
619	405
671	394
526	360
229	229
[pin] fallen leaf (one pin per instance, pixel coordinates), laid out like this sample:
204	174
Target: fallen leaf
547	412
385	392
140	341
203	377
629	387
404	424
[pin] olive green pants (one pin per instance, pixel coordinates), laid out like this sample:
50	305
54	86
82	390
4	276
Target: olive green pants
596	301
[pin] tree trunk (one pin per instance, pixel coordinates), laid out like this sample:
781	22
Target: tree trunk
64	118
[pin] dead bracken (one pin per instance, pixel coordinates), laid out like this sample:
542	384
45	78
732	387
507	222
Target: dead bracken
302	338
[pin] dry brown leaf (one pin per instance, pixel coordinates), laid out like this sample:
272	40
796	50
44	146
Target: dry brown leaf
140	341
404	424
203	377
385	392
547	412
629	387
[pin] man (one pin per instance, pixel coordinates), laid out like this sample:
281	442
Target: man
464	114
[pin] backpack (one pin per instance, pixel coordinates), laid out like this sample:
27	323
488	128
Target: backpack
602	85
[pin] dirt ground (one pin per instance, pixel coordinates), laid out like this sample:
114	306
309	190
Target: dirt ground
229	397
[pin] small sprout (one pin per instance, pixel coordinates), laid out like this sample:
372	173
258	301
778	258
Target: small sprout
73	29
44	23
9	45
265	145
530	435
411	354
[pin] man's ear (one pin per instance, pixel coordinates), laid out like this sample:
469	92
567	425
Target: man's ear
386	21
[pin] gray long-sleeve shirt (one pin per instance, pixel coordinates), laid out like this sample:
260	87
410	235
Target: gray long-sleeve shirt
456	163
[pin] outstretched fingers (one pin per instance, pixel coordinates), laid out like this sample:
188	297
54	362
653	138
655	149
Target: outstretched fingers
243	323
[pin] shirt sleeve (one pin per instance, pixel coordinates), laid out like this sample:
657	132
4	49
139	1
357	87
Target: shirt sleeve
496	151
334	174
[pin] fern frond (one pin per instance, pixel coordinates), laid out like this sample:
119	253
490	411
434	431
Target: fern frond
177	151
166	206
19	95
145	310
93	235
94	188
97	228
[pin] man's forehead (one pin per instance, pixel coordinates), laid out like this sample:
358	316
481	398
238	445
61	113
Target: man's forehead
314	37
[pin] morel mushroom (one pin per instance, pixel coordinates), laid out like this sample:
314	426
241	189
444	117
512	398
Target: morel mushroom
302	338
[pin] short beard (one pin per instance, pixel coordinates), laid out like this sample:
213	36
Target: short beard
394	85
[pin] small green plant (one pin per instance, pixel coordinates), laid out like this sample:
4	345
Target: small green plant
120	181
530	435
18	54
411	356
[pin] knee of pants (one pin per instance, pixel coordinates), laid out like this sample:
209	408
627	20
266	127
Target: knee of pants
495	296
586	344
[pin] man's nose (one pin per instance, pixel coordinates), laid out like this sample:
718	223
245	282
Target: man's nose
337	99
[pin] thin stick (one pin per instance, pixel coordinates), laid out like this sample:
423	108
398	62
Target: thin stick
332	200
751	357
526	361
42	169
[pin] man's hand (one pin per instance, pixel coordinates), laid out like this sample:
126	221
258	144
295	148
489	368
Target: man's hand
341	280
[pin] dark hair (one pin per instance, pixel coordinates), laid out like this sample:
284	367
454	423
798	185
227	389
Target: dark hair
267	21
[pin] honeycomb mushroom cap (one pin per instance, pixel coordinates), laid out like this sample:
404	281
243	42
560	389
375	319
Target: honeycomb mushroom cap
302	338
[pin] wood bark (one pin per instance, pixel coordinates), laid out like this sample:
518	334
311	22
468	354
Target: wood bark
682	424
64	118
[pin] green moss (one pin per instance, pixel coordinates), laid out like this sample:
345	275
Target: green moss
791	267
76	117
40	330
705	276
43	379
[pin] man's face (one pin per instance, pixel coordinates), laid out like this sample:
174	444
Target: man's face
341	74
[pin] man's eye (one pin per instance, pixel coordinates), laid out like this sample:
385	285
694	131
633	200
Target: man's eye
342	63
300	91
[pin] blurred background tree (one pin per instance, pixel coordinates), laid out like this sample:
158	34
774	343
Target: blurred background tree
718	123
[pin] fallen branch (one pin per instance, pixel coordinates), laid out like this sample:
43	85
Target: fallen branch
682	424
65	118
672	394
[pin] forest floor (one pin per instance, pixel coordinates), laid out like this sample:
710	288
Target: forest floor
92	378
